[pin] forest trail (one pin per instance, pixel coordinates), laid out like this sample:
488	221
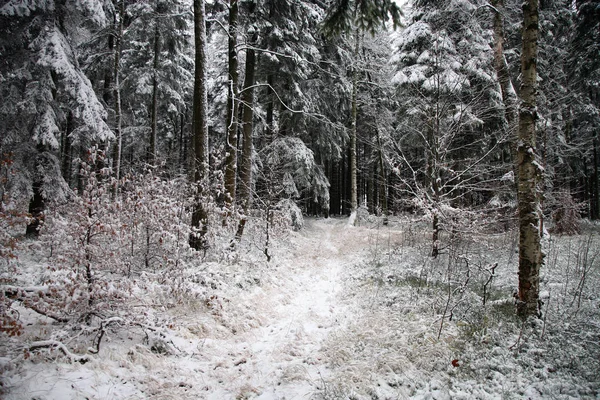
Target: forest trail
281	358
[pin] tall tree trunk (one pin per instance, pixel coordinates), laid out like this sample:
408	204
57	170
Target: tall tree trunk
433	176
270	113
66	162
530	251
353	133
182	142
245	187
509	96
37	204
117	93
595	203
154	116
108	89
232	106
383	201
198	239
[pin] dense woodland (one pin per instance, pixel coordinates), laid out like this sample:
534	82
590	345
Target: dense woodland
134	132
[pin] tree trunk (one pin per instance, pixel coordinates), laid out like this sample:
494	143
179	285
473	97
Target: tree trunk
509	96
530	251
154	116
433	175
232	106
269	129
117	95
353	132
198	239
382	181
37	206
66	157
595	192
245	187
435	225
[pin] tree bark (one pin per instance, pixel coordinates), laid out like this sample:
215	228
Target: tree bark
117	93
595	195
383	201
509	96
232	106
198	239
529	172
66	161
154	116
245	187
353	133
37	207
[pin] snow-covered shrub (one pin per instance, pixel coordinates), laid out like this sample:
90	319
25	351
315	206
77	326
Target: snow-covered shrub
10	220
292	212
85	276
155	223
289	168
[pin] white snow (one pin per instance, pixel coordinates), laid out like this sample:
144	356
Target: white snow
339	313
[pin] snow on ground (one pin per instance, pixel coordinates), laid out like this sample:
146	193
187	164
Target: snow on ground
268	346
347	312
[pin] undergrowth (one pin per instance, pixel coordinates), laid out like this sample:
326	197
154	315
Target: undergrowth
447	326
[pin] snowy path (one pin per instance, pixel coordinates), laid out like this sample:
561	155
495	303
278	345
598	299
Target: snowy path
280	360
267	343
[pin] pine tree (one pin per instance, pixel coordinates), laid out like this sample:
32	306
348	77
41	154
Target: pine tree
198	240
46	94
360	16
448	112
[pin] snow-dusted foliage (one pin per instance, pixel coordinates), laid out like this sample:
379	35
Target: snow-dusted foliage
156	66
450	112
446	328
46	96
289	168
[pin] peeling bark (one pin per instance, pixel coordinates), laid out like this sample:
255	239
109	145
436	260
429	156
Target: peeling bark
529	173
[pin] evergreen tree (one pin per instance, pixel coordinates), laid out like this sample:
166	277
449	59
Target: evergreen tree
449	111
47	99
198	240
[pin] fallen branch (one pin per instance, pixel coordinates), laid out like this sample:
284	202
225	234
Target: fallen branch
55	344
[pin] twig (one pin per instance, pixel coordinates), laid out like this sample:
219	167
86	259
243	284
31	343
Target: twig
23	295
491	271
518	343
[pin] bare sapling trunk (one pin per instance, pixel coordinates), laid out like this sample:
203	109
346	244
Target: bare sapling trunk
529	170
232	107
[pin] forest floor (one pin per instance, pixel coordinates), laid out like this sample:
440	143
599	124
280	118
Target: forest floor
348	313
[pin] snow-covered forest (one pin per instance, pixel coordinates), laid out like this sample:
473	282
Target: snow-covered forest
299	199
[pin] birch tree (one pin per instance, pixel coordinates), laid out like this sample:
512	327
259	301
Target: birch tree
529	170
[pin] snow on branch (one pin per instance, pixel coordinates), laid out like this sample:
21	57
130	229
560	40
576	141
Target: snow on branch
55	344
